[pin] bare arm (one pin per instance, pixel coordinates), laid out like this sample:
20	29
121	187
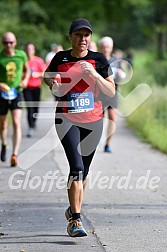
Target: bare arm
47	77
107	85
50	81
26	75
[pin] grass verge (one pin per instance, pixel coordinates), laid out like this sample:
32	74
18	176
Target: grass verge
150	119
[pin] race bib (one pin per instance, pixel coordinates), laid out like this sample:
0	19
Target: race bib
10	95
80	102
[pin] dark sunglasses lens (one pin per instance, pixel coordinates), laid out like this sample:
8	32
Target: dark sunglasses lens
7	42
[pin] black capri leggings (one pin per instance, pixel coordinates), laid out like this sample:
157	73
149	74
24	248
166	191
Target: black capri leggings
80	142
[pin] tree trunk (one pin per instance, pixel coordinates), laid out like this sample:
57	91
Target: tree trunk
161	22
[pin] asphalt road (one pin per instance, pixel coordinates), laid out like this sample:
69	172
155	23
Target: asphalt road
125	203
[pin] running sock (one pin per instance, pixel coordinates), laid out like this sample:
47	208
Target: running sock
76	216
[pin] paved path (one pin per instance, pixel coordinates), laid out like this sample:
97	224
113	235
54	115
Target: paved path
117	215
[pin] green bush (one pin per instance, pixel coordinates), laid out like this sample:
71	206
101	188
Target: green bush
159	71
150	119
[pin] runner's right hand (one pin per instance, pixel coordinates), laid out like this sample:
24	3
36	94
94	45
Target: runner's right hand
54	86
4	87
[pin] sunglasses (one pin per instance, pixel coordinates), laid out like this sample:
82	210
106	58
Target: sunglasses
8	42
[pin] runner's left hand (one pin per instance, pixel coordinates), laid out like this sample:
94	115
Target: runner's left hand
23	84
88	68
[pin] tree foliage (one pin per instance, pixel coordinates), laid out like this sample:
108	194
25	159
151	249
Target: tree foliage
131	23
32	11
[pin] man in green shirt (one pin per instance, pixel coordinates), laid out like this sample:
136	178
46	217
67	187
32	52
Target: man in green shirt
14	76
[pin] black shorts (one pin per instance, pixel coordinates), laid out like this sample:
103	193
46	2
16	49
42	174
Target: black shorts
6	105
110	102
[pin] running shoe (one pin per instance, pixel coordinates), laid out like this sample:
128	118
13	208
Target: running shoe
30	132
3	153
68	213
13	160
107	149
75	228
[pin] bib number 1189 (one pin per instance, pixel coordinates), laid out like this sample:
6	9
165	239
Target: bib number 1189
80	102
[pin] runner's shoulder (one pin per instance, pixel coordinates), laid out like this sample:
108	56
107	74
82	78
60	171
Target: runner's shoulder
38	59
62	57
97	55
20	52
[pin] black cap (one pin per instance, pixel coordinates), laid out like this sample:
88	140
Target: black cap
80	23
